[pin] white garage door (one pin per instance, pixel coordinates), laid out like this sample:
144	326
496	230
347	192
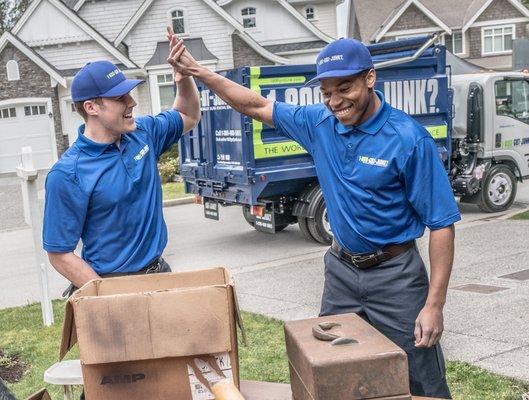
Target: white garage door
25	125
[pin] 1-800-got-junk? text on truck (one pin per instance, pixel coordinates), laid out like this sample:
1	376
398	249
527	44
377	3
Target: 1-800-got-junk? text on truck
480	123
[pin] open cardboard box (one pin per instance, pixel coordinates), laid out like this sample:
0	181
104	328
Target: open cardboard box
138	334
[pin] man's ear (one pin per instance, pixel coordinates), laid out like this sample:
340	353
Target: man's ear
371	78
91	108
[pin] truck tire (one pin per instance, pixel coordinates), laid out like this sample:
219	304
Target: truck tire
499	189
304	228
319	225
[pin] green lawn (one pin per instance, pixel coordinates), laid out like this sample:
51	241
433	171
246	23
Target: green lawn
523	215
173	190
22	334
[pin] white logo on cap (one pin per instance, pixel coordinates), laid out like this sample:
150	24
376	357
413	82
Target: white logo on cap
113	73
336	57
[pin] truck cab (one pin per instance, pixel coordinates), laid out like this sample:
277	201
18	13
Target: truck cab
490	137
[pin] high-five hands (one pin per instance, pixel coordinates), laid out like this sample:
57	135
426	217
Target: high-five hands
179	58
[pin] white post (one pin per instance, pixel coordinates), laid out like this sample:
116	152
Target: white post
27	172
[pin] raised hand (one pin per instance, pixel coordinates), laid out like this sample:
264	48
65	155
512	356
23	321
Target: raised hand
176	49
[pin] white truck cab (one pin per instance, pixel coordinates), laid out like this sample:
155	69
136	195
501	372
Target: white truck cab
490	146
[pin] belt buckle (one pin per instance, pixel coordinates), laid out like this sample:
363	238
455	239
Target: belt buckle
358	260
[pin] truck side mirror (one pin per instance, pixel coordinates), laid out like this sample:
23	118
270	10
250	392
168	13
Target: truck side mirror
475	113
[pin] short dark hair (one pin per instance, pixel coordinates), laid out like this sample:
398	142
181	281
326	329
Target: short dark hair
79	106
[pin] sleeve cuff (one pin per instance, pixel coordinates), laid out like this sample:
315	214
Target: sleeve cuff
50	248
433	226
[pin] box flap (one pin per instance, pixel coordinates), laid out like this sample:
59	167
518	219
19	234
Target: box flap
40	395
141	326
164	281
69	333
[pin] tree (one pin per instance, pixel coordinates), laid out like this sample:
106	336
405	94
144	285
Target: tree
10	12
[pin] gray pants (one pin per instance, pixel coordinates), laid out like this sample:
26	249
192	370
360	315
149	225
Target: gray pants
389	296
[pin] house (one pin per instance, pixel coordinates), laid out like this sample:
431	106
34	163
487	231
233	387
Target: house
54	39
481	31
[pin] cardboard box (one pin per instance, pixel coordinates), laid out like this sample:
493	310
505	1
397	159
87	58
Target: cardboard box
40	395
138	334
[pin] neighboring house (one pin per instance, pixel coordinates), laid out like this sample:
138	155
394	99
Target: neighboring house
481	31
54	39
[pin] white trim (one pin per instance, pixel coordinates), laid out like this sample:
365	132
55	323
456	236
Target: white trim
132	22
49	108
463	43
78	5
294	52
496	53
9	37
516	4
163	67
245	36
80	23
13	75
185	16
500	21
379	34
416	31
301	18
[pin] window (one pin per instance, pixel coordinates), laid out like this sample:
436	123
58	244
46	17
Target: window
248	17
512	99
166	90
309	12
9	112
13	74
34	110
497	39
455	43
177	21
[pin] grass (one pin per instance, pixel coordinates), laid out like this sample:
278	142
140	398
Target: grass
173	190
523	215
263	359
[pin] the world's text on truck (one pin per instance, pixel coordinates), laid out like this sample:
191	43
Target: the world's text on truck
480	123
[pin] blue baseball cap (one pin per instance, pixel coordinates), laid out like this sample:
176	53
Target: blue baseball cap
101	79
343	57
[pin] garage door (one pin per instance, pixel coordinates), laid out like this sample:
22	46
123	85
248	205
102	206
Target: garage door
25	125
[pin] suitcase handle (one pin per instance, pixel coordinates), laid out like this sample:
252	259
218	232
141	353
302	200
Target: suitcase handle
320	332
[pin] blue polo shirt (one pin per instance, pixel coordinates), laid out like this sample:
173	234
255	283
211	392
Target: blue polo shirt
383	181
111	197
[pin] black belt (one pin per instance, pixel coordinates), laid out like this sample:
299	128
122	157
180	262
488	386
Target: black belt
369	260
151	268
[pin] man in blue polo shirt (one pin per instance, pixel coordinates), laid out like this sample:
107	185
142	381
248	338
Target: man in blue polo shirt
383	183
106	189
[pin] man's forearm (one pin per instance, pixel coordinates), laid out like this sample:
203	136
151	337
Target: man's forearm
187	101
441	251
72	267
240	98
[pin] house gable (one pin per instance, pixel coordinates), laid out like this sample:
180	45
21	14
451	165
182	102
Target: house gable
501	13
499	9
399	12
412	18
26	27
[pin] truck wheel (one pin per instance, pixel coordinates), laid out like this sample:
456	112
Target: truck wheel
248	216
304	228
319	226
499	189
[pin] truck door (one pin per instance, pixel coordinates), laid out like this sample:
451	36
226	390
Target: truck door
511	122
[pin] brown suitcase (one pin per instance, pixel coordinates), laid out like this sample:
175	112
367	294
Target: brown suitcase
372	367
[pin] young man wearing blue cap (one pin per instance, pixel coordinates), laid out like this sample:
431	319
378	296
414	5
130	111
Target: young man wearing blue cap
383	183
106	189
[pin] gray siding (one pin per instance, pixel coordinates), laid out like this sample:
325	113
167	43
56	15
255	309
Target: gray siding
413	18
325	17
73	55
201	21
499	9
109	18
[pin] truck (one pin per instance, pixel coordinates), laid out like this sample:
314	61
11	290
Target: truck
479	122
